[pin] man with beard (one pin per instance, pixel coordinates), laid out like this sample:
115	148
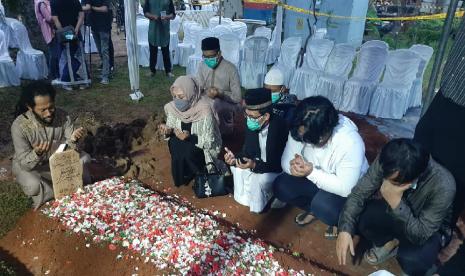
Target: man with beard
37	131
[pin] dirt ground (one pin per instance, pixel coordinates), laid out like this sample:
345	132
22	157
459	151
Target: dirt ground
38	245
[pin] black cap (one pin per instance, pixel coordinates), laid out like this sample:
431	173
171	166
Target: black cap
258	98
210	43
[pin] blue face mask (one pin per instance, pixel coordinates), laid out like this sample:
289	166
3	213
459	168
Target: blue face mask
253	124
211	62
181	104
275	97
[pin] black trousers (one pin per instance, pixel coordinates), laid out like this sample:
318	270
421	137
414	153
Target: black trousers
379	227
442	131
303	193
166	58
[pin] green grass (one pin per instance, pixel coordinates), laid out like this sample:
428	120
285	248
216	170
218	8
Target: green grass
13	204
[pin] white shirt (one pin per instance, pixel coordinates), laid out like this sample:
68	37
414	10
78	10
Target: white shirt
338	165
262	137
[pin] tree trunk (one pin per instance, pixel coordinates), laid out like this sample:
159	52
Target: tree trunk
24	10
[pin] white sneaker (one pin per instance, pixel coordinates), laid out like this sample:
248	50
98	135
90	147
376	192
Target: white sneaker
277	204
56	81
105	81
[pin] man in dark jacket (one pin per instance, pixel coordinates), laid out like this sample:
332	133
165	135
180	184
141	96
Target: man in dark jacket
259	163
410	218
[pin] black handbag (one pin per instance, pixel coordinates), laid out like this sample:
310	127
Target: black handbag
211	184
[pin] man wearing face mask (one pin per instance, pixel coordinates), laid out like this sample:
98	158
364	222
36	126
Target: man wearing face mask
322	162
220	81
403	205
259	162
283	103
37	132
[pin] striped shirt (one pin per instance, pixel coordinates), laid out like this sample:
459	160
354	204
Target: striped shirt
453	77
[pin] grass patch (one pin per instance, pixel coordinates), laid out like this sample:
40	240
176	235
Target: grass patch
13	204
5	269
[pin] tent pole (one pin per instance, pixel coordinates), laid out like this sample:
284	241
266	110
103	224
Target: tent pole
220	8
440	55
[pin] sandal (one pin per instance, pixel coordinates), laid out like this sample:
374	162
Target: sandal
330	234
380	253
300	219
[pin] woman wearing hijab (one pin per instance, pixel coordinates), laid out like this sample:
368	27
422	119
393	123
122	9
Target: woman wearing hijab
194	137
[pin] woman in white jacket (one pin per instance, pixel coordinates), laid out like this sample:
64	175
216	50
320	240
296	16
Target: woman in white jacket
323	160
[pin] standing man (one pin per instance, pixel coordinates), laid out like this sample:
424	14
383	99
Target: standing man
44	18
101	16
220	81
259	163
403	205
68	13
37	131
159	12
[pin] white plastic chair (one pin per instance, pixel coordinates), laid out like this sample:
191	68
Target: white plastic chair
143	49
390	99
305	79
31	64
230	48
8	74
186	47
8	30
263	31
425	52
196	58
358	90
320	33
288	57
215	21
274	49
240	30
338	66
253	65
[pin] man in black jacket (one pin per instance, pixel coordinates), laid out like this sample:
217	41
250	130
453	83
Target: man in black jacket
259	163
403	205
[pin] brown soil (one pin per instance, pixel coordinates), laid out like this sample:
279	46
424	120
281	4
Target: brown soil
38	244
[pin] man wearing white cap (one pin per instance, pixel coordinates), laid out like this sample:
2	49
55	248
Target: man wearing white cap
283	102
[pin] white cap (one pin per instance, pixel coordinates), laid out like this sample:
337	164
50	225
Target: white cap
274	77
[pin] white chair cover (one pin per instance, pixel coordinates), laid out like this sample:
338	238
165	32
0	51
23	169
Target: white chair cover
89	44
263	31
274	48
186	48
31	64
12	41
143	49
331	82
230	48
320	33
253	65
240	30
8	74
425	52
359	88
222	30
288	57
196	58
175	25
305	79
215	21
375	43
390	99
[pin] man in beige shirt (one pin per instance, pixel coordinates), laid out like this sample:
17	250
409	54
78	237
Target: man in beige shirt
220	81
36	132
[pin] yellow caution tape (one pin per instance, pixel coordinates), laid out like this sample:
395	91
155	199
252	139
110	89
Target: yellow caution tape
404	18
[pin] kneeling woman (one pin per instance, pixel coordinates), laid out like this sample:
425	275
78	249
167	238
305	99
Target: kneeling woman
322	162
194	137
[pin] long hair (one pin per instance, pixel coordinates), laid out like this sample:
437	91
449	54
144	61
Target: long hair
30	91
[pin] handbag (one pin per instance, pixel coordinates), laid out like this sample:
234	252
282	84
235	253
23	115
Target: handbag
211	184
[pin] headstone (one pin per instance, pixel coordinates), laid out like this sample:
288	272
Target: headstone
66	170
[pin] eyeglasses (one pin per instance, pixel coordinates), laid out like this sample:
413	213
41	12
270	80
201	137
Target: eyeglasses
253	118
212	56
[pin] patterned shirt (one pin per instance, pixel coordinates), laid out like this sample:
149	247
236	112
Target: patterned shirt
453	77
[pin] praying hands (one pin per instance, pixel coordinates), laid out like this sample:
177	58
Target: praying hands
299	167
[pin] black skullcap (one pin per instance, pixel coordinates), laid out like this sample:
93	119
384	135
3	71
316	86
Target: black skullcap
210	43
258	98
